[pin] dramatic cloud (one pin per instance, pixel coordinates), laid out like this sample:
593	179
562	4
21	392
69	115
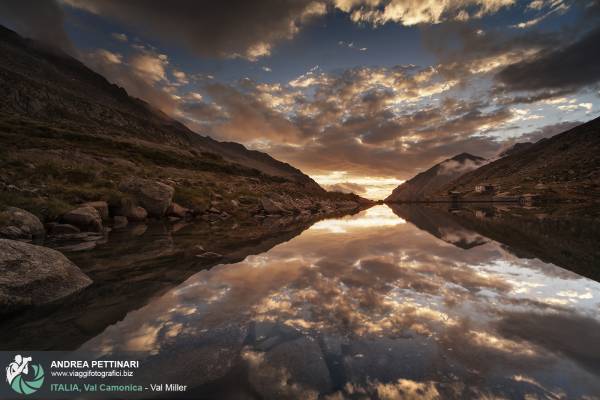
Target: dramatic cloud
238	28
140	75
41	20
413	12
573	66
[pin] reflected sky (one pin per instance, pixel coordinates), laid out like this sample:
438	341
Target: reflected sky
370	305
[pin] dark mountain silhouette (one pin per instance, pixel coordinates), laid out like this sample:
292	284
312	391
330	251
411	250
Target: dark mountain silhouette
426	183
45	84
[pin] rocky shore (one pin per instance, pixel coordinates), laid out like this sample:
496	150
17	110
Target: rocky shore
31	274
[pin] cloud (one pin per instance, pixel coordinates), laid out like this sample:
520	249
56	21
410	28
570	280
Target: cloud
237	28
570	67
414	12
43	21
548	131
150	67
140	75
452	166
346	187
121	37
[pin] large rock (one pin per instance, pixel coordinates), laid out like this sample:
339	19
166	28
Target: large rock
25	222
100	206
154	196
35	275
130	210
270	206
87	219
175	210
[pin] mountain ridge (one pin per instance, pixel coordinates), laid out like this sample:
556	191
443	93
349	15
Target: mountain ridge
424	183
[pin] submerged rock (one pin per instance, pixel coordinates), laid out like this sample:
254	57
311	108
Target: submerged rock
35	275
63	229
85	218
20	224
155	197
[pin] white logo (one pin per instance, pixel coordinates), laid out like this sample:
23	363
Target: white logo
17	367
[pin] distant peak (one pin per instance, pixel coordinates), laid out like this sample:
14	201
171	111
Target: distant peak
465	156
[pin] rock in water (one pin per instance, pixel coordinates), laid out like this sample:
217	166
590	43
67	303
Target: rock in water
175	210
154	196
35	275
100	206
87	219
28	224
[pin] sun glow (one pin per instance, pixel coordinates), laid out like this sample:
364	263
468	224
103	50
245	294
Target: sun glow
371	187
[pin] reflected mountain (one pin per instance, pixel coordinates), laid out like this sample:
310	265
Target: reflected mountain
567	236
370	306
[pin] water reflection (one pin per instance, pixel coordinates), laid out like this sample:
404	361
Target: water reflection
372	306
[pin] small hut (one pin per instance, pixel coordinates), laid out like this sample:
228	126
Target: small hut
487	188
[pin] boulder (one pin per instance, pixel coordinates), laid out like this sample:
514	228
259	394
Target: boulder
131	211
35	275
100	206
63	229
155	197
28	224
175	210
12	232
86	219
270	206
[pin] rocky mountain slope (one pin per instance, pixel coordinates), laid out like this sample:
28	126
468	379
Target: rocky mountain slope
565	167
68	136
426	183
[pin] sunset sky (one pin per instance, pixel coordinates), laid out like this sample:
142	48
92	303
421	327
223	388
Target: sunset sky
359	94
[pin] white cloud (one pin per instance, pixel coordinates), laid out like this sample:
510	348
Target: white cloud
413	12
120	37
151	67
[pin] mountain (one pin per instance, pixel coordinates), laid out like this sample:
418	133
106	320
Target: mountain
516	148
563	167
67	136
420	187
48	85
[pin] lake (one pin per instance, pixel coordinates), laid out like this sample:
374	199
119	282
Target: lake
402	302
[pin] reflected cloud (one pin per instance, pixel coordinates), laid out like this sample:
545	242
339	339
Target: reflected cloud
371	305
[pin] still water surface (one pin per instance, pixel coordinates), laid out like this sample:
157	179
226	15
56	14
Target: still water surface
371	306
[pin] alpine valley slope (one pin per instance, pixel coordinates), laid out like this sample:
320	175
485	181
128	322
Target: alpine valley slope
423	185
563	168
69	136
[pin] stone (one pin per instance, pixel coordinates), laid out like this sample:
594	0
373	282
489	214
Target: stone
100	206
26	222
120	222
87	219
130	210
209	255
35	275
175	210
155	197
270	206
137	213
12	232
63	229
